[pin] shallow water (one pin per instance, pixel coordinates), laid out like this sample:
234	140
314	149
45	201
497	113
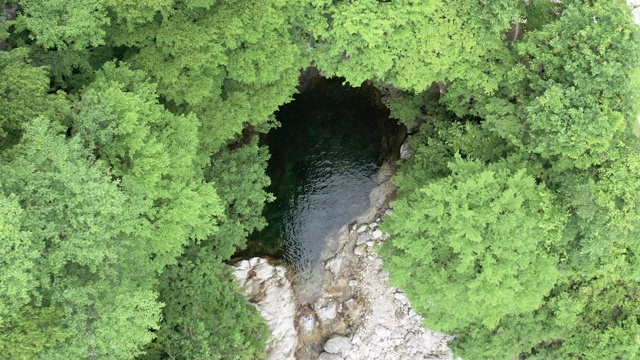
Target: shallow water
324	164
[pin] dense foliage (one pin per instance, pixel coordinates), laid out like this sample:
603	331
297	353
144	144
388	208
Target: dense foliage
516	221
130	168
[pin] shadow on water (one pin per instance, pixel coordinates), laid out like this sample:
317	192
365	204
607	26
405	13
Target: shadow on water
324	164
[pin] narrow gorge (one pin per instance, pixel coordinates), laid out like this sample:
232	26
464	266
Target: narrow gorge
313	272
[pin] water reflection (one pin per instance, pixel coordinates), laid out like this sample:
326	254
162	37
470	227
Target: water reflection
331	194
325	157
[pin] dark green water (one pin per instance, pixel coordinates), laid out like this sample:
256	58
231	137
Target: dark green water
324	164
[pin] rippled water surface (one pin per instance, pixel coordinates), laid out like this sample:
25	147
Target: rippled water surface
324	164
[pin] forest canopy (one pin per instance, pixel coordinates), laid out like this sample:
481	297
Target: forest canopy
130	168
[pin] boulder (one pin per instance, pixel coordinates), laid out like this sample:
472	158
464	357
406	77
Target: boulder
401	297
406	152
275	301
327	356
337	345
635	5
307	323
334	264
326	309
363	238
383	332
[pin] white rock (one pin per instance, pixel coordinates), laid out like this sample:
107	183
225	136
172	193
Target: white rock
334	264
350	304
377	234
405	151
401	297
353	283
359	250
277	305
241	270
383	332
337	345
375	352
369	243
254	261
264	271
362	228
307	323
327	356
430	337
411	340
363	349
388	212
363	238
326	309
635	4
373	225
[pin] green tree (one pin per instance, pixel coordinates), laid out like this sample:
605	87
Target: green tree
26	93
239	175
64	24
413	44
205	317
476	246
239	64
153	154
551	115
86	289
556	103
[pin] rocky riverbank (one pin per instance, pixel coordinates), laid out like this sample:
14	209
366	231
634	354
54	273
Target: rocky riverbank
345	308
267	287
383	324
